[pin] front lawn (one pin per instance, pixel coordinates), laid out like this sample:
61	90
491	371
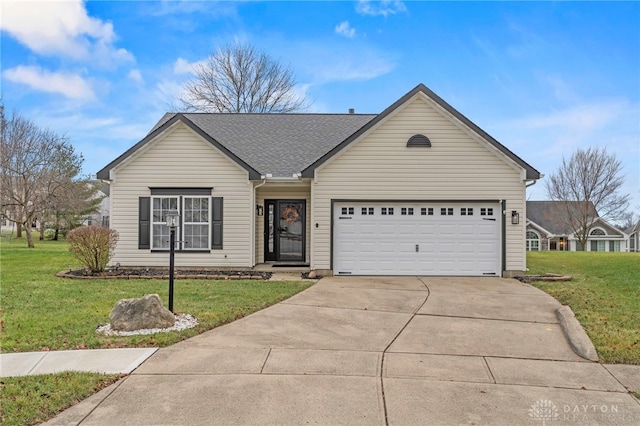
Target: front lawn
604	295
42	312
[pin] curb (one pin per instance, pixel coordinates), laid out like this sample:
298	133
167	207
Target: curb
577	337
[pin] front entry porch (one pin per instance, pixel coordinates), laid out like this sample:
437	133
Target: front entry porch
284	231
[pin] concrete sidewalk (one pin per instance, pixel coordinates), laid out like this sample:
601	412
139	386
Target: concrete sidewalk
108	361
383	350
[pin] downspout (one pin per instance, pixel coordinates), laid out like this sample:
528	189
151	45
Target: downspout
253	228
533	181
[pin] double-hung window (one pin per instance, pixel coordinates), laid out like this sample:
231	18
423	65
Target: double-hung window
200	222
194	230
197	223
159	229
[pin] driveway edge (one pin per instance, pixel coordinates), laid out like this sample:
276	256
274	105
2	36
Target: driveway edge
577	337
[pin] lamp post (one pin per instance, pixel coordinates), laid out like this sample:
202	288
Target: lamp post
172	223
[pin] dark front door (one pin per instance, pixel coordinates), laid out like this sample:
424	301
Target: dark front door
284	230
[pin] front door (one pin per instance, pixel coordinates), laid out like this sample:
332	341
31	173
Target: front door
284	230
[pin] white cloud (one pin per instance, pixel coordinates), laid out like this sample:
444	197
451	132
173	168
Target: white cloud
186	7
70	85
136	76
182	66
62	28
345	63
344	29
380	8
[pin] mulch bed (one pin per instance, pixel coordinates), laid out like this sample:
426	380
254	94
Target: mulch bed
163	273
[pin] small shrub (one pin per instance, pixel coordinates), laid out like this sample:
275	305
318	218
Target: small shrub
92	246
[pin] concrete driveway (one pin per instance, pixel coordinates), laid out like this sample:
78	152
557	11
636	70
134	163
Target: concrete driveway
375	350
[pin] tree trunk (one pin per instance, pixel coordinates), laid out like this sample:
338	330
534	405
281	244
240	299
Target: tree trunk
19	230
42	230
55	236
27	230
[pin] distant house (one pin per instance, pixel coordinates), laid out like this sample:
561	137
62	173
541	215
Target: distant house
634	237
100	216
548	228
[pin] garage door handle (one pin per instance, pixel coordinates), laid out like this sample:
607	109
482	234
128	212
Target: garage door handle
417	248
488	218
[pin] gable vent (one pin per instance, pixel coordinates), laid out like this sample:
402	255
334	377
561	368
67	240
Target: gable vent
419	140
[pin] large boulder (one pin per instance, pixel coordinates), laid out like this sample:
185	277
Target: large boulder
141	313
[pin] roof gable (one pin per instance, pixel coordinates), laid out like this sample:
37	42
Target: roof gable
158	130
531	173
607	227
278	144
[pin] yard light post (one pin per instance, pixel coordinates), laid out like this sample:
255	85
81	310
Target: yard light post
172	223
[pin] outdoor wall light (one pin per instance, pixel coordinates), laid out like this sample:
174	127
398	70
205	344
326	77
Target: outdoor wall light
515	217
259	210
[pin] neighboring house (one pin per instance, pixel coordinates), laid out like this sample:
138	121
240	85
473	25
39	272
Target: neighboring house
634	237
548	229
415	190
101	215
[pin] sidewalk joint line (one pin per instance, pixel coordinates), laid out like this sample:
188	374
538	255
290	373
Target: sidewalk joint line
37	364
265	360
486	363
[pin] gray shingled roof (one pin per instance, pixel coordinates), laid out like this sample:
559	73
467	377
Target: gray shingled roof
279	144
286	144
552	217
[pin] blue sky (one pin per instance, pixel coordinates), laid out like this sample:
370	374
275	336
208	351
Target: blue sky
544	78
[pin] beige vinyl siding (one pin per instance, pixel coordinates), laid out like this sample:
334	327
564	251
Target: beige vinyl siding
283	191
180	158
380	166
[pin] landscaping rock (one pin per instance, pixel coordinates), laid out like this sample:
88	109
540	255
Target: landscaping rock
142	313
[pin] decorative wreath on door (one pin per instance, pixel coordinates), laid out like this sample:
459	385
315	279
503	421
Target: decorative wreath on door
291	215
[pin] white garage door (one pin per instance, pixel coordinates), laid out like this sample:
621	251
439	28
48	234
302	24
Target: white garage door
411	238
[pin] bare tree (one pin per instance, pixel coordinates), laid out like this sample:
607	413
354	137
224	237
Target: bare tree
588	185
627	220
37	166
238	78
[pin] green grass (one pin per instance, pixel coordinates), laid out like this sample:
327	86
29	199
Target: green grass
42	312
35	399
604	295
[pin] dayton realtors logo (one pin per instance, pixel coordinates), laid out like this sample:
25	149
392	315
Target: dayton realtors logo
544	410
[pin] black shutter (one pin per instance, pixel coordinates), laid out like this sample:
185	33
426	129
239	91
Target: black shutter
216	222
144	222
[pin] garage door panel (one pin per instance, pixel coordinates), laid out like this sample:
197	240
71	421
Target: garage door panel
459	242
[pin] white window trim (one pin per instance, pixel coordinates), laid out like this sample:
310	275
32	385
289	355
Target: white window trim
154	223
181	245
529	241
186	247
